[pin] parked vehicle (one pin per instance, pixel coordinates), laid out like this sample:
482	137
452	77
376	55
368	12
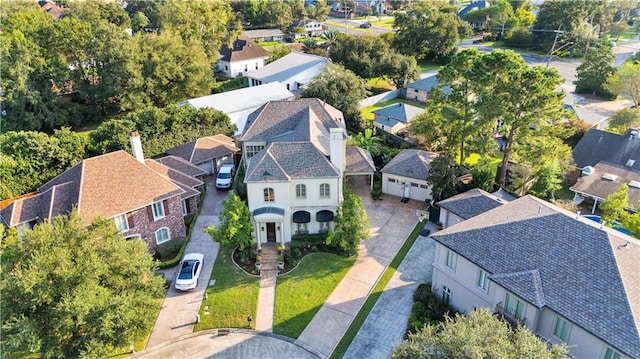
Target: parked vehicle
365	25
225	176
190	268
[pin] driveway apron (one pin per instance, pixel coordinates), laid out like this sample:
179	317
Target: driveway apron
180	309
391	222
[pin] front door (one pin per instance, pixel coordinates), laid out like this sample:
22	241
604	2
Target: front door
271	232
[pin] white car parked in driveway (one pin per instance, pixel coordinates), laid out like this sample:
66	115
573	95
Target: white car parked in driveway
224	178
190	268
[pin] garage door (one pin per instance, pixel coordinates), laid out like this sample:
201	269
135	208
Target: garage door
392	186
206	166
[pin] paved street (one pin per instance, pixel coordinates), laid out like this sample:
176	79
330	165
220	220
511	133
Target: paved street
179	309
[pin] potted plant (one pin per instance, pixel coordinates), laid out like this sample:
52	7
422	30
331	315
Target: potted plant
258	261
280	262
439	225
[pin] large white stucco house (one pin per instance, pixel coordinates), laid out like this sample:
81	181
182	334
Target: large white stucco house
243	56
406	175
566	278
296	159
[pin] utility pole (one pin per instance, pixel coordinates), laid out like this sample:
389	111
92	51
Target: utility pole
553	47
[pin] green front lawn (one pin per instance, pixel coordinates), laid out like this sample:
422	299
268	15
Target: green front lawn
474	158
367	112
301	293
428	65
232	298
385	23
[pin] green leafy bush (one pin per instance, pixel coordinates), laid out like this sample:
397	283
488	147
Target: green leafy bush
428	308
170	249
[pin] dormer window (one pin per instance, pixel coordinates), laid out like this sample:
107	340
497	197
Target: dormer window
630	163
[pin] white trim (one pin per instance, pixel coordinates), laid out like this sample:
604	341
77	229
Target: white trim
161	213
168	235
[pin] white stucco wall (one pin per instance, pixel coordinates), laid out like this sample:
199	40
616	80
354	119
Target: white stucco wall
237	68
448	219
397	188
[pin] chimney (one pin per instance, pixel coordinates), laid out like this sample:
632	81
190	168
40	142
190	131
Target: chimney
136	146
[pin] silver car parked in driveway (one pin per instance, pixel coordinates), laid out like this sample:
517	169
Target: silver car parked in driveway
190	268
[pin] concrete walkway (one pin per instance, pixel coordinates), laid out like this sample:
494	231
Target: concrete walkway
266	301
391	222
179	309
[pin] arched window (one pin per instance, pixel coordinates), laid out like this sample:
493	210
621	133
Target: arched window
268	195
301	191
162	235
325	190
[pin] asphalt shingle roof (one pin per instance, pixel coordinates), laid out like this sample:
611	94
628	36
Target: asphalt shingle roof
428	84
256	34
400	112
586	274
205	149
597	146
181	165
471	203
595	185
411	163
282	161
243	48
358	160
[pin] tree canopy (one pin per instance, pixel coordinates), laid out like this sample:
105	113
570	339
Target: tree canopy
235	224
477	335
341	89
443	177
623	120
595	70
351	224
70	290
626	82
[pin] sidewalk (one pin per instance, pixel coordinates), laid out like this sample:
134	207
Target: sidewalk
391	222
179	309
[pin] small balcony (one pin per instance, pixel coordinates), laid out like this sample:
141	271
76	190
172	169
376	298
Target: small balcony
501	312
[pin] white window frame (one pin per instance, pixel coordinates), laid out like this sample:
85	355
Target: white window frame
134	236
183	204
451	260
122	222
269	194
612	354
325	190
446	295
392	180
301	191
513	309
158	210
483	280
561	329
158	242
252	150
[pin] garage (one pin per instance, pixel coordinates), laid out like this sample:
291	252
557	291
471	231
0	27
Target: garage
406	175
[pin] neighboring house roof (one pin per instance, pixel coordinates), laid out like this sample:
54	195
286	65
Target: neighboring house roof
597	145
504	195
606	179
428	84
471	203
554	259
51	8
283	161
185	182
181	165
399	112
205	149
475	5
306	119
257	34
243	49
411	163
358	161
242	99
287	66
106	186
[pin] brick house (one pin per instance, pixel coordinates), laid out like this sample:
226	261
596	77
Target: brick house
145	199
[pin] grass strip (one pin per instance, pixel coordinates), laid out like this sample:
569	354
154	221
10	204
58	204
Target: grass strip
302	292
384	279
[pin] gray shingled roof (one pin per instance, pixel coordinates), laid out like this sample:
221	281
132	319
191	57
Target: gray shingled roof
205	149
400	112
471	203
358	160
586	276
597	146
428	84
410	163
308	119
287	67
282	161
256	34
596	186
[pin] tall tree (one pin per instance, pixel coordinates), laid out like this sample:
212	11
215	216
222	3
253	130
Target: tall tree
72	291
623	120
626	82
279	14
594	71
443	177
477	335
340	88
518	97
235	224
351	224
427	33
319	11
563	15
613	208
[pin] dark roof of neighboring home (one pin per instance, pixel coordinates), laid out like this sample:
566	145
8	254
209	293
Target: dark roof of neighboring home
185	182
181	165
411	163
428	84
256	34
358	161
504	195
552	258
606	179
287	66
400	112
283	161
243	49
306	119
475	5
471	203
205	149
106	186
597	145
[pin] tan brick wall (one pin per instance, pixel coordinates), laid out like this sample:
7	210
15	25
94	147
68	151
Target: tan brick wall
147	228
